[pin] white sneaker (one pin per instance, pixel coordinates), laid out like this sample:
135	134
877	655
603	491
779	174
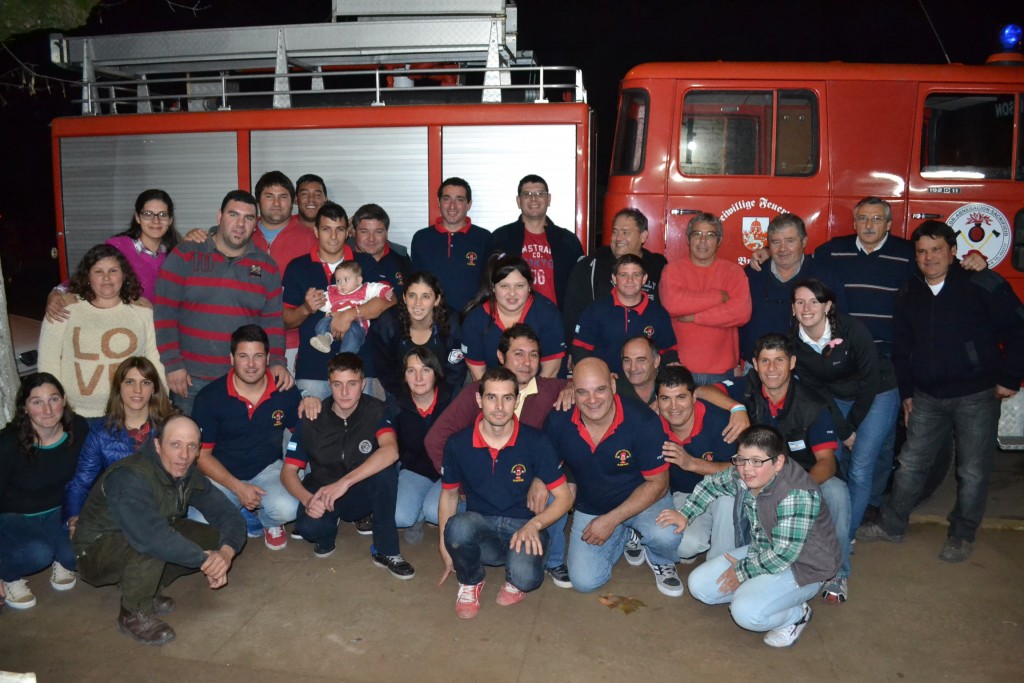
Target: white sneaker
667	578
787	635
62	579
322	343
634	551
18	594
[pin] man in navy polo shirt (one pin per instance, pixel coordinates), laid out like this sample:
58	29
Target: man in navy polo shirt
380	263
305	281
243	416
613	449
628	312
351	449
495	462
695	448
453	248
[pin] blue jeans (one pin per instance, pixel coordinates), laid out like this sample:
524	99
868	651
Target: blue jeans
350	343
29	543
836	497
974	420
858	466
277	507
708	378
474	540
712	531
376	494
432	500
413	491
590	566
763	603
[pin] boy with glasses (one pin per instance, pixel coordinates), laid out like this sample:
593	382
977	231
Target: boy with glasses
787	543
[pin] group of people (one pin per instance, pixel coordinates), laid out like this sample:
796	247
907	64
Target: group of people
282	367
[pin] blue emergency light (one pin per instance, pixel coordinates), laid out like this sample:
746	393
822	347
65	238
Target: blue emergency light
1009	37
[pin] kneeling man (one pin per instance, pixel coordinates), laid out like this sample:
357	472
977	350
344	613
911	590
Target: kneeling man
495	461
133	530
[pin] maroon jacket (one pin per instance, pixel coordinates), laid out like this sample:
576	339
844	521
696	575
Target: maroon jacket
463	411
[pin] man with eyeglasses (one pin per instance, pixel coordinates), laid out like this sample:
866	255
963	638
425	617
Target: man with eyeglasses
775	397
591	277
551	251
206	290
453	249
787	546
708	299
872	265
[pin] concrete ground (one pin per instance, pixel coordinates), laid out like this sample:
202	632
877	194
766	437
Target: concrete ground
287	615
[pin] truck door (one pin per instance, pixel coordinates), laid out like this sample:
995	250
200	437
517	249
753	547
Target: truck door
969	173
746	153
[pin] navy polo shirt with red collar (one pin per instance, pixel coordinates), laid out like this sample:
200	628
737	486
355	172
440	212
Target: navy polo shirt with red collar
607	472
496	481
705	442
607	323
458	259
482	331
245	437
392	268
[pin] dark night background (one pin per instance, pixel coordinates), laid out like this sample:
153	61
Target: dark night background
603	37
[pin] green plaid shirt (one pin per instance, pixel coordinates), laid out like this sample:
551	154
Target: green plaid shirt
766	555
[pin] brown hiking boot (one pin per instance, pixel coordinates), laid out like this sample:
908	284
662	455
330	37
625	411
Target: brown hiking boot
163	605
144	628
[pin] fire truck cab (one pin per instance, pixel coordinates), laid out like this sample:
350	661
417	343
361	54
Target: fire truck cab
747	141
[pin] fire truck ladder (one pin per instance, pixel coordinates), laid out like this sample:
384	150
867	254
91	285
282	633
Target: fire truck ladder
461	41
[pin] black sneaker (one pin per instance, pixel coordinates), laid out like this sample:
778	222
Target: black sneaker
323	550
364	526
559	576
396	564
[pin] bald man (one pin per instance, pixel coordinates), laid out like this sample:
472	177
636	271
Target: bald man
612	446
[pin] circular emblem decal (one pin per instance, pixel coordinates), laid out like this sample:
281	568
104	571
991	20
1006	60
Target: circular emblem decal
983	228
365	446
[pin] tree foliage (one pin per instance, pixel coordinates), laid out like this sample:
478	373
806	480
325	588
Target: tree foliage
25	16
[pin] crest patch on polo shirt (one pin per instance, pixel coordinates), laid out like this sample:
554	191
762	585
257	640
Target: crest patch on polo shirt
255	271
365	446
277	416
518	471
455	356
622	458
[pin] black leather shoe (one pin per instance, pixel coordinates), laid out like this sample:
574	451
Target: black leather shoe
144	628
163	605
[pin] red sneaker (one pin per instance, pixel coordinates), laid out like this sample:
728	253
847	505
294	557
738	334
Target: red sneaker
467	604
510	595
275	537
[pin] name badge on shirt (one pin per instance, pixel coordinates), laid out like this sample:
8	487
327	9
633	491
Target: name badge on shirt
797	445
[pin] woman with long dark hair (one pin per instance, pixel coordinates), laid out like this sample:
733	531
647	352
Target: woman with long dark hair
505	299
38	454
837	357
137	407
105	325
421	319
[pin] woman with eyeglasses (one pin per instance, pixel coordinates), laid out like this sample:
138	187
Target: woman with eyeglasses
145	244
504	299
837	357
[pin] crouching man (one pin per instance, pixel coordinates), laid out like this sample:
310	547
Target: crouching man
133	530
495	462
790	543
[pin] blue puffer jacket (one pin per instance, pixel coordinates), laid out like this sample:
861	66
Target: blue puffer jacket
102	448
